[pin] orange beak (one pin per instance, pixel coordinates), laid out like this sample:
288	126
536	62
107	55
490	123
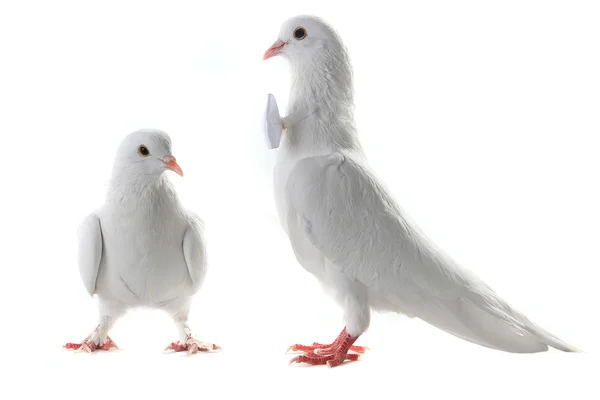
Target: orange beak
274	50
171	163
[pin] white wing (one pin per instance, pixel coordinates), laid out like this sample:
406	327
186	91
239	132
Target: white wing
194	250
351	219
90	251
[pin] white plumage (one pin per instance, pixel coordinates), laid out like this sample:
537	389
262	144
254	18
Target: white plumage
347	230
142	248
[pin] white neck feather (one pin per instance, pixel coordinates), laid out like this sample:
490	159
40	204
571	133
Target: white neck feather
325	83
132	187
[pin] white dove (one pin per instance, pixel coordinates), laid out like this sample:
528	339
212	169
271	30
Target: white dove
142	248
347	230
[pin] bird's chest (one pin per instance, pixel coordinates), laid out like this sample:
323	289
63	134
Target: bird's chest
143	254
287	158
285	163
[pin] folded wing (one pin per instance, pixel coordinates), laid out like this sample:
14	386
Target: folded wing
352	220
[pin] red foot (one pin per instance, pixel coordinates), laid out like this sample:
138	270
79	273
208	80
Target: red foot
326	348
90	346
331	360
319	348
332	354
192	345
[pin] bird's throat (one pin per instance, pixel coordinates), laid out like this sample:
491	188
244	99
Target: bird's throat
328	105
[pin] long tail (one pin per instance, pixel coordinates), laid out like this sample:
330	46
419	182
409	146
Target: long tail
485	319
550	339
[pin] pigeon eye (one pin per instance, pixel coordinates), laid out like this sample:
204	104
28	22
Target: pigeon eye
143	151
300	33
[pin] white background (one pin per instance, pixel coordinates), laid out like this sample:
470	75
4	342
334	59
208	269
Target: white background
481	117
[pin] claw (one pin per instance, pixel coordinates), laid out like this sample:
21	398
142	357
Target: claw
293	347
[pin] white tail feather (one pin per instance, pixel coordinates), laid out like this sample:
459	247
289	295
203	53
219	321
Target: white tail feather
487	320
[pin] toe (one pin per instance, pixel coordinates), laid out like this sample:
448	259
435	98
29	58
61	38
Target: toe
193	348
85	347
300	347
337	360
175	346
359	349
325	351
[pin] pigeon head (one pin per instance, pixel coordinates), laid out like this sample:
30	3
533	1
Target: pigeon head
320	65
305	38
146	152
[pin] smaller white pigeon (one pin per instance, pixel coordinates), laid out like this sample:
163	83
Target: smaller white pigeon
142	248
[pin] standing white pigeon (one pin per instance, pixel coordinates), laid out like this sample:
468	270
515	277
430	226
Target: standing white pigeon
142	248
347	230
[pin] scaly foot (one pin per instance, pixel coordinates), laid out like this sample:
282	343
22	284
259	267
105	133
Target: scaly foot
326	348
192	345
89	345
332	354
319	348
331	360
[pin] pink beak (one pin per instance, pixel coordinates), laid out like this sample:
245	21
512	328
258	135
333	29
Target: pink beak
171	163
274	50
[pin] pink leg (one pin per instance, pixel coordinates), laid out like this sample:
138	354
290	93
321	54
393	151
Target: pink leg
89	345
332	355
192	345
326	348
